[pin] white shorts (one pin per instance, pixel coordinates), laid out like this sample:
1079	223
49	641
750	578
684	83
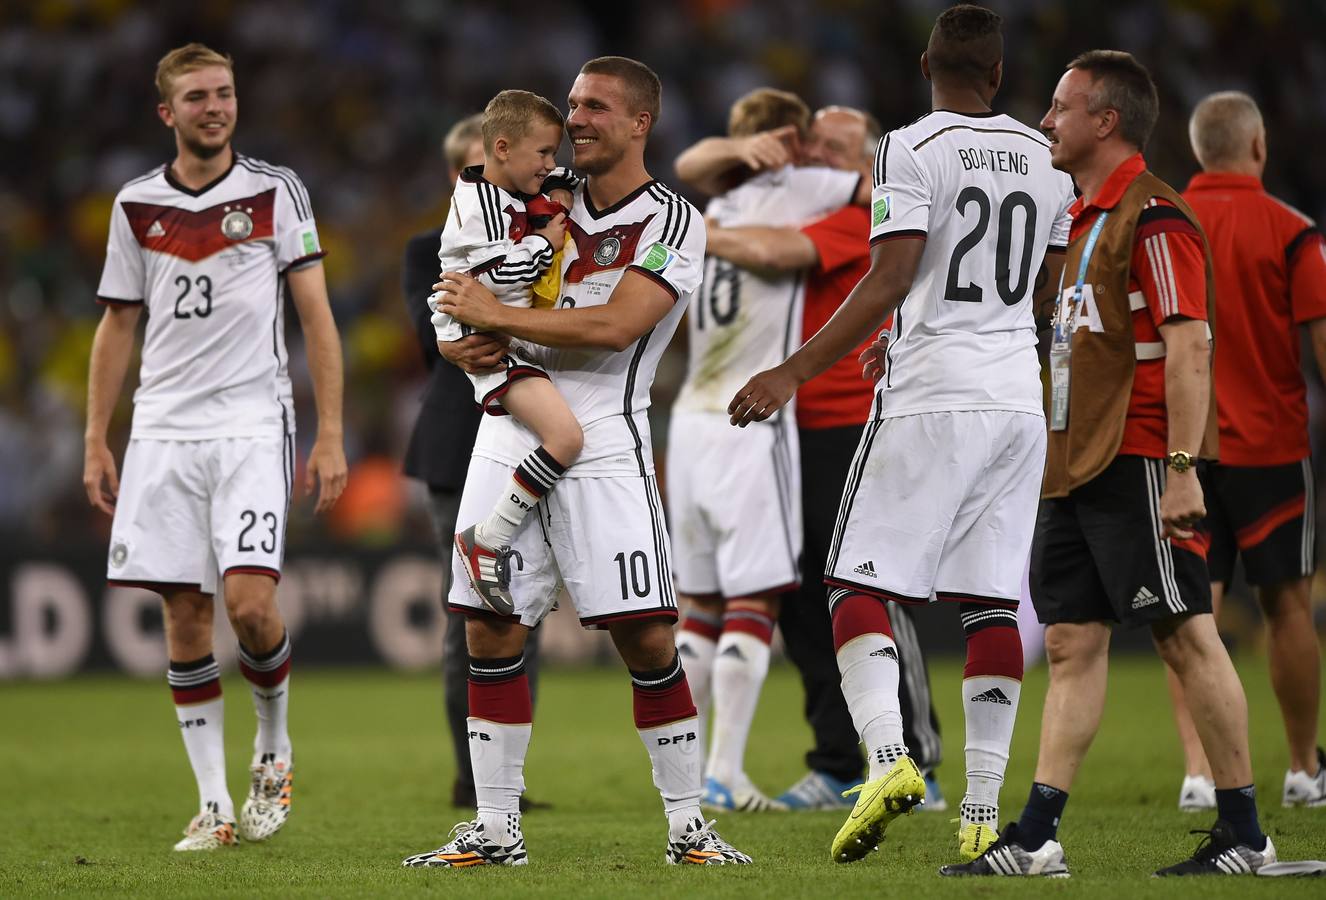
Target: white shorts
603	538
940	503
734	504
188	510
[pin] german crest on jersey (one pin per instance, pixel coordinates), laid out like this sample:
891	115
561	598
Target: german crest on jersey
237	224
606	252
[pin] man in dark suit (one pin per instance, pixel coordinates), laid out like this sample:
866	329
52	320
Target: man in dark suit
439	452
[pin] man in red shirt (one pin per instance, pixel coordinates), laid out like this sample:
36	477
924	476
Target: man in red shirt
831	414
1270	270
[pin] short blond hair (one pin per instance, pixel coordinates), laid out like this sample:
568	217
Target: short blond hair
189	58
512	114
456	145
1223	127
766	108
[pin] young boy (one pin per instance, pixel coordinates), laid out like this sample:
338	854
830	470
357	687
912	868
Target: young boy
495	232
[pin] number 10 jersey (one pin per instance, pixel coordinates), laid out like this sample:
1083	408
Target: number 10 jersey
980	190
209	267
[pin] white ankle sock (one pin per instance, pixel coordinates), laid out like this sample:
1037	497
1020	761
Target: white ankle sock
202	725
869	666
536	475
741	663
674	754
696	652
990	705
497	754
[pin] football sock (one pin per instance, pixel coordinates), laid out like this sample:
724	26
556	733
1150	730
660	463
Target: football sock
665	717
697	640
1041	815
740	666
536	475
1238	807
500	720
991	687
868	662
200	712
268	675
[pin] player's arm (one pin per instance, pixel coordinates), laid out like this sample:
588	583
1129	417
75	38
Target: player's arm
763	248
709	164
1046	290
326	462
112	347
893	265
1307	288
637	304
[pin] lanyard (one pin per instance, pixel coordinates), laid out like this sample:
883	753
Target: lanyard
1063	328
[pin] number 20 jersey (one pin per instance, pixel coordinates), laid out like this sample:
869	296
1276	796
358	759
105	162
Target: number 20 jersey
982	193
209	267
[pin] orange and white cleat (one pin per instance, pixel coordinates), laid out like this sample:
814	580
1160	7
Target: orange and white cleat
701	845
268	804
209	830
470	846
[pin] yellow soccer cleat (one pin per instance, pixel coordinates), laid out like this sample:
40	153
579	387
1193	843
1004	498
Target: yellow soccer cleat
975	838
878	802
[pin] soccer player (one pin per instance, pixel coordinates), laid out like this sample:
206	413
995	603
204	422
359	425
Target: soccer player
942	494
636	260
1270	279
491	234
1117	537
832	254
208	245
734	505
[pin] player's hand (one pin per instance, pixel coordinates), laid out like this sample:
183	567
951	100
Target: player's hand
771	149
562	196
464	298
763	395
874	360
1182	505
326	470
554	232
478	354
100	479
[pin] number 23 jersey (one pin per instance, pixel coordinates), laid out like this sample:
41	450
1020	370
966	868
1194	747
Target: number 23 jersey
982	193
209	267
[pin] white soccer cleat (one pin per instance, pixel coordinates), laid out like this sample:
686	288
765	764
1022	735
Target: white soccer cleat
209	830
1197	794
1302	789
268	804
701	845
739	796
468	847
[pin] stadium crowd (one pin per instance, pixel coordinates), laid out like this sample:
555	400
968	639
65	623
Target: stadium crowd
357	99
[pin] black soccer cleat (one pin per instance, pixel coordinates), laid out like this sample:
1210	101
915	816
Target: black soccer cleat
1008	857
1222	853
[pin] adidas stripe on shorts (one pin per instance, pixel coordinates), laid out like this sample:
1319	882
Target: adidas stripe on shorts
940	503
1098	555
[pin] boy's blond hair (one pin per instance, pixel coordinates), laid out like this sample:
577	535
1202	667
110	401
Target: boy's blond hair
512	114
189	58
764	109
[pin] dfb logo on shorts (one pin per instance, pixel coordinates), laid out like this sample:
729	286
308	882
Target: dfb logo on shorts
676	739
193	723
479	735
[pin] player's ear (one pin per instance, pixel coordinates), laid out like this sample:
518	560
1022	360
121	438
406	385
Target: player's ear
997	75
166	115
925	65
502	149
643	120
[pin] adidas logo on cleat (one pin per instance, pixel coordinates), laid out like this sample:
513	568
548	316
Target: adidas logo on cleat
866	568
887	652
994	695
1143	598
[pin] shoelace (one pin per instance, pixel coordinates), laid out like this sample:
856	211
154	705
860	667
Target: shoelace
502	565
1206	849
707	839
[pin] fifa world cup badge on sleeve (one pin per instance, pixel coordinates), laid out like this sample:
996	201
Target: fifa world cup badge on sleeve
658	258
881	210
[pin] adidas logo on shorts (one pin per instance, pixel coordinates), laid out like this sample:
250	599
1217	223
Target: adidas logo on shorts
994	695
866	568
888	652
1144	598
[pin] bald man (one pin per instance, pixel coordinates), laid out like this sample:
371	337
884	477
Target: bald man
1270	276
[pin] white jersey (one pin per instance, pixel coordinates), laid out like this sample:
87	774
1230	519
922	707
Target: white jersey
744	322
982	192
487	234
209	267
651	231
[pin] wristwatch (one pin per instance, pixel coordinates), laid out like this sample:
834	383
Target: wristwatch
1179	460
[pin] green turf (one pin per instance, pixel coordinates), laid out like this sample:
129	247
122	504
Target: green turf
94	788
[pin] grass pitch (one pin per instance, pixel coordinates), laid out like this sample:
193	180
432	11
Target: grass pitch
94	787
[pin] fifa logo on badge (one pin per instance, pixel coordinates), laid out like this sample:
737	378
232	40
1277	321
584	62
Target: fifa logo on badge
606	252
119	553
237	224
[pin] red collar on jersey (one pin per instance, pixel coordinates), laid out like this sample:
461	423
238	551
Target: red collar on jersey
1112	191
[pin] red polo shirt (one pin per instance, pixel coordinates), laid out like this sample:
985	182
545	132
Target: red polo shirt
839	396
1270	268
1168	272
